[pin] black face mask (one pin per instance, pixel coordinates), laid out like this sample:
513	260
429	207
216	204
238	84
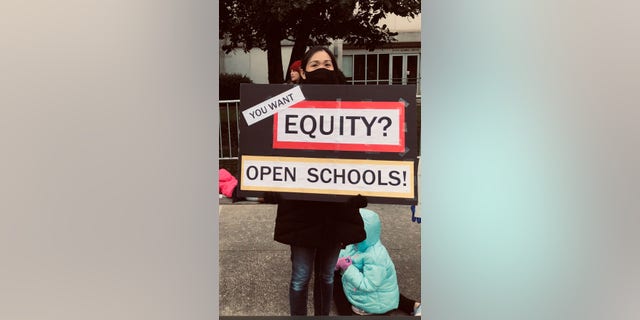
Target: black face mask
322	76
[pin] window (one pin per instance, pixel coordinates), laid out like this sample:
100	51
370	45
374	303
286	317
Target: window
372	69
412	69
383	71
347	67
382	68
396	70
358	69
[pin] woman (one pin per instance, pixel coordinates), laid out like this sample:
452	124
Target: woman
294	72
319	67
316	230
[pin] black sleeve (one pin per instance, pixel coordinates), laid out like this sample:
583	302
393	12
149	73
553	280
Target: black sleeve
271	197
358	201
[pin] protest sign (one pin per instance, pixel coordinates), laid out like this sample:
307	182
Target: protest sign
341	125
329	142
272	105
375	178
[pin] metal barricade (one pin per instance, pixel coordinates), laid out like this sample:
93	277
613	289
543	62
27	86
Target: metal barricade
229	133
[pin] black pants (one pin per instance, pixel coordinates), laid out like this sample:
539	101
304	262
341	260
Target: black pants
344	307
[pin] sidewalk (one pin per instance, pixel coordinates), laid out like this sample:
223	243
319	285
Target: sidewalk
255	269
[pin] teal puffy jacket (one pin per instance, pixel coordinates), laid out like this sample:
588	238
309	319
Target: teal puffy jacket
370	282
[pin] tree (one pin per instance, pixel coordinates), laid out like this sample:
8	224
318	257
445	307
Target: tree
263	24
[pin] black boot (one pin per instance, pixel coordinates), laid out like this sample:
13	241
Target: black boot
322	296
343	307
298	302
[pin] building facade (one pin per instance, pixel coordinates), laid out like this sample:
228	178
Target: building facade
395	63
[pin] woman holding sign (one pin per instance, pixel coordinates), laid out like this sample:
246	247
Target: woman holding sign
319	67
316	230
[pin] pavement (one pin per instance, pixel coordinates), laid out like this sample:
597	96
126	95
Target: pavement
255	270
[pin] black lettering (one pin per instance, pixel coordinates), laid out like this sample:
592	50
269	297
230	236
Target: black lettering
277	172
353	123
313	126
288	124
386	125
264	171
393	175
337	175
368	125
252	172
372	176
380	180
322	172
312	172
289	174
330	131
350	178
272	105
259	112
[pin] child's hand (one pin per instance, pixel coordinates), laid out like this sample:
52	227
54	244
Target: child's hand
343	263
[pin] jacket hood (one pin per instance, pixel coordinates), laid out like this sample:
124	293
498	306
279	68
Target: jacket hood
372	227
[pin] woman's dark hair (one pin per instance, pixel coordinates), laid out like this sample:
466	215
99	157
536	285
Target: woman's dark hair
312	51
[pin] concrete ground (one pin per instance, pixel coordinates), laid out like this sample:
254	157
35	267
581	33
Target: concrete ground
255	269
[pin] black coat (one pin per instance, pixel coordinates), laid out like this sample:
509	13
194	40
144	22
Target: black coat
319	224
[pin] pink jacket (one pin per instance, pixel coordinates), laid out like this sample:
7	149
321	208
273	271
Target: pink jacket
226	183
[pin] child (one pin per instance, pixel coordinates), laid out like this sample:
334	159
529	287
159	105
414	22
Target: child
368	276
